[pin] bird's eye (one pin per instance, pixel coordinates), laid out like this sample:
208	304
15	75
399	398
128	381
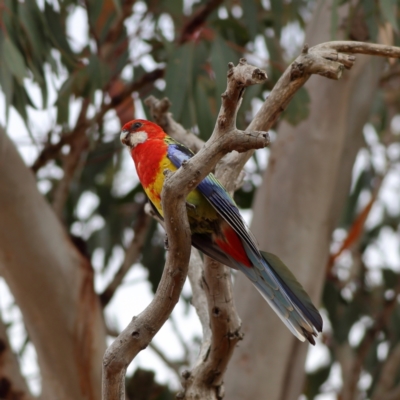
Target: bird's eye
136	125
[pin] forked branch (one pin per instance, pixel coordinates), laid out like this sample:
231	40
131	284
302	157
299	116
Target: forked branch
138	334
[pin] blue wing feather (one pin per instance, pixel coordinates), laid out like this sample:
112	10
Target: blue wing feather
219	198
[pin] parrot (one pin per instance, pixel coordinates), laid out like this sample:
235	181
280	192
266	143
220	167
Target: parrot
217	227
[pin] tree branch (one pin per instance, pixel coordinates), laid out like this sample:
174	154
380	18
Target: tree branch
205	381
325	59
199	301
176	187
159	111
138	334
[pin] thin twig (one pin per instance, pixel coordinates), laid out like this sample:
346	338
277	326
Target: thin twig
199	301
326	59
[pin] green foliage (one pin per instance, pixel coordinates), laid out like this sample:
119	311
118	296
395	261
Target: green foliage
179	78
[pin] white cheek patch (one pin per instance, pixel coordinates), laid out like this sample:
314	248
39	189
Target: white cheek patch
137	138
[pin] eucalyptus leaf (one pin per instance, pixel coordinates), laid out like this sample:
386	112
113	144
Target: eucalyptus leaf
250	10
277	12
371	12
221	54
334	19
7	85
178	77
14	59
54	22
205	116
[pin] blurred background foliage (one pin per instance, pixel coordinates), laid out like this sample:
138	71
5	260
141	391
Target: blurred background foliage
76	70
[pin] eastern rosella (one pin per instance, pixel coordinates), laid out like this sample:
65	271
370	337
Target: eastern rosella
218	229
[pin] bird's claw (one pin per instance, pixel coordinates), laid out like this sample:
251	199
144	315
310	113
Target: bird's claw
191	206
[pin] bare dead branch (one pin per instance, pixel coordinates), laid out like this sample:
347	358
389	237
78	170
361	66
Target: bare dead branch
199	301
205	381
176	187
353	47
315	60
204	300
138	334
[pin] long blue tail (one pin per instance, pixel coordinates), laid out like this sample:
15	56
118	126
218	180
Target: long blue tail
286	296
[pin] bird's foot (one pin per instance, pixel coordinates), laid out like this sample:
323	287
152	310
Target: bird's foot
190	206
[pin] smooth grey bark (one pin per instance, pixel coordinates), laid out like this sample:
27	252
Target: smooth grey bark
52	284
295	210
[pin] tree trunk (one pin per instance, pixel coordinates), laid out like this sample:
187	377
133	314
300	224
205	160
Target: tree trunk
295	211
52	283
